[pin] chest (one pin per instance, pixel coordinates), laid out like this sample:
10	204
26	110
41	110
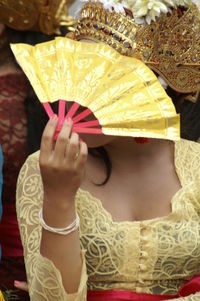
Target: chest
160	249
134	194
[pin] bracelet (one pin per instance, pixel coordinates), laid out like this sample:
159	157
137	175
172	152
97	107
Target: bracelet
63	231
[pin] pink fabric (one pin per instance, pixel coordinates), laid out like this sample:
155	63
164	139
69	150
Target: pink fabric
9	232
191	287
124	296
13	136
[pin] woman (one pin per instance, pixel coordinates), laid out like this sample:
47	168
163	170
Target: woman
124	250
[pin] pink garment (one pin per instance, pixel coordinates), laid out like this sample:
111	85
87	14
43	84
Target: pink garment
13	136
9	232
189	288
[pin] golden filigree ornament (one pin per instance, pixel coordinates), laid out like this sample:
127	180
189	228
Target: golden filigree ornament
122	96
170	45
39	15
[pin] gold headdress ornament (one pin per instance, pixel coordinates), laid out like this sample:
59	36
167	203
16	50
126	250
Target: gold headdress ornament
40	15
164	34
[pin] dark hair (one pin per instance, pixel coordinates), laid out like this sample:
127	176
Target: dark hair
100	152
31	37
189	113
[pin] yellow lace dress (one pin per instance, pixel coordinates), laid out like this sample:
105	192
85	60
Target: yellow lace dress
153	256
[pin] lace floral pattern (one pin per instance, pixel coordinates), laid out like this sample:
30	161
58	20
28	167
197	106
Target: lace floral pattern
153	256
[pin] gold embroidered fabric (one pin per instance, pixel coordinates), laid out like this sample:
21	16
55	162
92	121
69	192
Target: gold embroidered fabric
153	256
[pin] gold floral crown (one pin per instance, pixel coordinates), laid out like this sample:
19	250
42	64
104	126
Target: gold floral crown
41	15
169	43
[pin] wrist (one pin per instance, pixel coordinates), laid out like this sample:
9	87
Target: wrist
58	215
62	231
59	202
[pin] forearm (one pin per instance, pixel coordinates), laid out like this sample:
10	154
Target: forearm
63	250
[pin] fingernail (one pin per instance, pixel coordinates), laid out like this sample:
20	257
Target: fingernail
69	120
16	283
54	117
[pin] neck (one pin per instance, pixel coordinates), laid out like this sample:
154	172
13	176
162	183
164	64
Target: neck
127	150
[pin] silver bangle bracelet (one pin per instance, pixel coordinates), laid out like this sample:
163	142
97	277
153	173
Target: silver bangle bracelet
62	231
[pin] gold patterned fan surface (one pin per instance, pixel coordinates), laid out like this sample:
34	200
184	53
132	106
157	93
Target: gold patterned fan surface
122	93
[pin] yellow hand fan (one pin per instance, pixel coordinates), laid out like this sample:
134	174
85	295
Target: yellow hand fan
122	93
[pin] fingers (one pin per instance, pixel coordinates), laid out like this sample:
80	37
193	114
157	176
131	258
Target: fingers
47	137
67	149
63	139
21	285
83	154
72	149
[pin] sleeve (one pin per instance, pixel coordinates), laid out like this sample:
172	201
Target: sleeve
44	279
187	161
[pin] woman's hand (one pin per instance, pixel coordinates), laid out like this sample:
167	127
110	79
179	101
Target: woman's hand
61	163
22	285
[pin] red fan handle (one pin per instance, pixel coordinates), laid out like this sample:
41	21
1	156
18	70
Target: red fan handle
48	109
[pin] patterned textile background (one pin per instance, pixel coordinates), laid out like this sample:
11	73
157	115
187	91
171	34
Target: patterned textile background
13	133
13	89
